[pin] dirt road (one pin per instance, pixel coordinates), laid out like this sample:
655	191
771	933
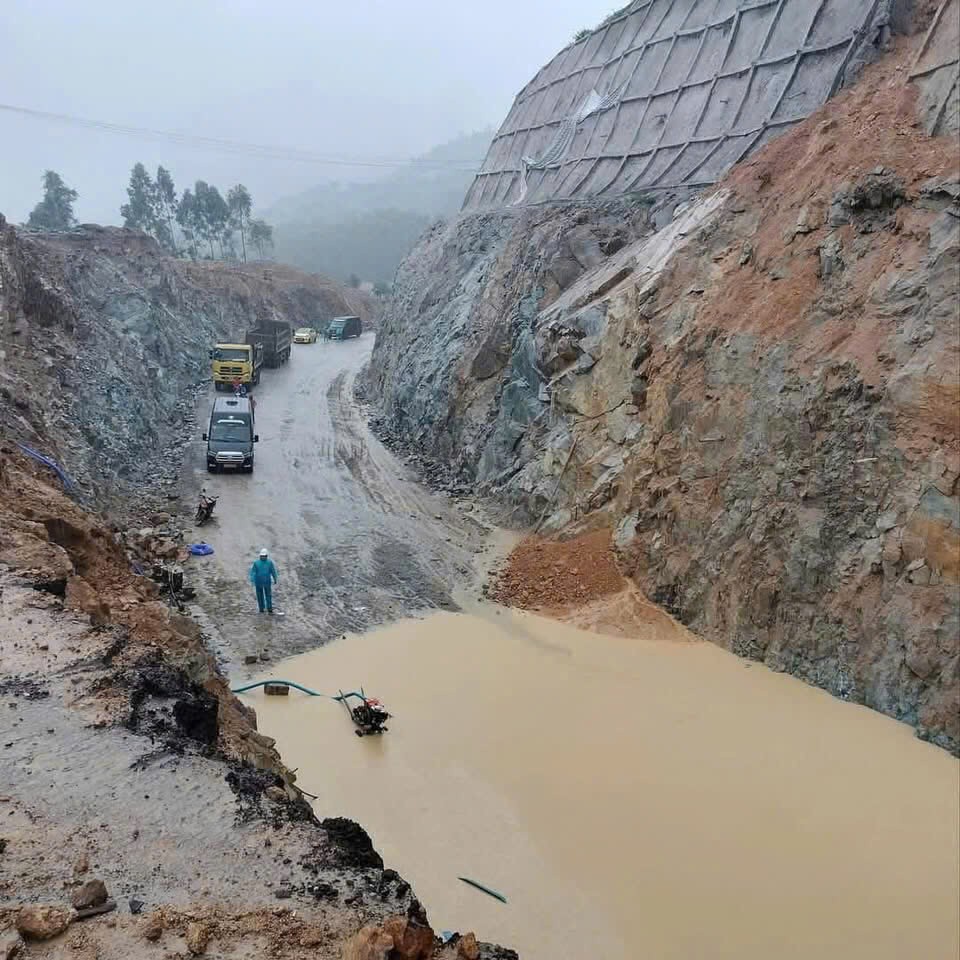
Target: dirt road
357	541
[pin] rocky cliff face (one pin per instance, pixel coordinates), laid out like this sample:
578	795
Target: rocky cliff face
103	339
456	362
760	397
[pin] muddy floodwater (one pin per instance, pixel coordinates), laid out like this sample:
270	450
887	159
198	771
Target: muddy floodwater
632	798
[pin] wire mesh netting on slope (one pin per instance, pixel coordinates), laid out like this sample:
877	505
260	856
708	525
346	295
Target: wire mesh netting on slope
672	93
936	71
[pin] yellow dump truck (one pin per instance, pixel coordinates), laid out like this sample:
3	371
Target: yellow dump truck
230	362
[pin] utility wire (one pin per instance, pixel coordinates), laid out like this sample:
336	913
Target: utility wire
235	146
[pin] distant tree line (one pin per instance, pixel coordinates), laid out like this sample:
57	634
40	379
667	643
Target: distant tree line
198	223
55	210
201	223
366	228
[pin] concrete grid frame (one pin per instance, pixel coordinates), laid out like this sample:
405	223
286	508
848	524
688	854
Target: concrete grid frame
686	89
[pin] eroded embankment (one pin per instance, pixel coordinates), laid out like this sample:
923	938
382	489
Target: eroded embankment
125	758
760	398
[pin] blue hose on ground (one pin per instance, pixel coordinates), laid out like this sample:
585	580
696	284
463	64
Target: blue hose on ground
296	686
65	478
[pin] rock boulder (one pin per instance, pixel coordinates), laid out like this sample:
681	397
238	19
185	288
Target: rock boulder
43	921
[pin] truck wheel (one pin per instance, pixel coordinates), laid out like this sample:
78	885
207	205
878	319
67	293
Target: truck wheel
211	468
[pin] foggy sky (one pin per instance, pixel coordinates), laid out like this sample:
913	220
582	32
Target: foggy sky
355	78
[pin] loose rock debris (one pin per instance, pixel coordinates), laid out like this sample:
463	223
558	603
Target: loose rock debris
555	574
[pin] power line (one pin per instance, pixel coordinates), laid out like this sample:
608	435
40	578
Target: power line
236	146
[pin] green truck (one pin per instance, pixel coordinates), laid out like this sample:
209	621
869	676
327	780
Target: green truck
342	328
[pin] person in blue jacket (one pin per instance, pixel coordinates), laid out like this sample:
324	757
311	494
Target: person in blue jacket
263	575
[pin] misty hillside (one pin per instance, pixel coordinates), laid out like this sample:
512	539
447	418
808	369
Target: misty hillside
365	228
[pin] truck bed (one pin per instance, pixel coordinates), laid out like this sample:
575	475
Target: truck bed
276	336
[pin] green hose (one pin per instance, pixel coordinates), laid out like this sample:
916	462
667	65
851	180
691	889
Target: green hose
487	890
297	686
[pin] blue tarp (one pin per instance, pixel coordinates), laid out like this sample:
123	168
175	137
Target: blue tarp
201	549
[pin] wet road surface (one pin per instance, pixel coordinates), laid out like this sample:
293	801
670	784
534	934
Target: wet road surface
356	539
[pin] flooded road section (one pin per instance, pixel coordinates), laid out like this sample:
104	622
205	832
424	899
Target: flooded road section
356	540
632	797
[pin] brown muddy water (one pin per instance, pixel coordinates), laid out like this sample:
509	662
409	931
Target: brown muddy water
633	798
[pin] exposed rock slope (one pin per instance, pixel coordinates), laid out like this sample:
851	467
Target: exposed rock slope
103	337
456	361
762	396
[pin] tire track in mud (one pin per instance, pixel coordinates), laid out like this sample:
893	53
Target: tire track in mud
395	563
349	446
378	472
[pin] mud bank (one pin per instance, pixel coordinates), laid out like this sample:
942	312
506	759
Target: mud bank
125	759
631	797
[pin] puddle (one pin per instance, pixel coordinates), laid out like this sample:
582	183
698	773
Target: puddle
630	797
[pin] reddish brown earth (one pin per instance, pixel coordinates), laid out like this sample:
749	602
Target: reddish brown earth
543	573
577	580
795	495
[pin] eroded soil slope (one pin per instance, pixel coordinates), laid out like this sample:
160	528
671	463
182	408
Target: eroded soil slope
761	397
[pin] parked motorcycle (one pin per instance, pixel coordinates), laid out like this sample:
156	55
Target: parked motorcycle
205	507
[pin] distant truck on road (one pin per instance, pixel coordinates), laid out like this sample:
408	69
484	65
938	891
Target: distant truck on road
275	338
232	362
341	328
